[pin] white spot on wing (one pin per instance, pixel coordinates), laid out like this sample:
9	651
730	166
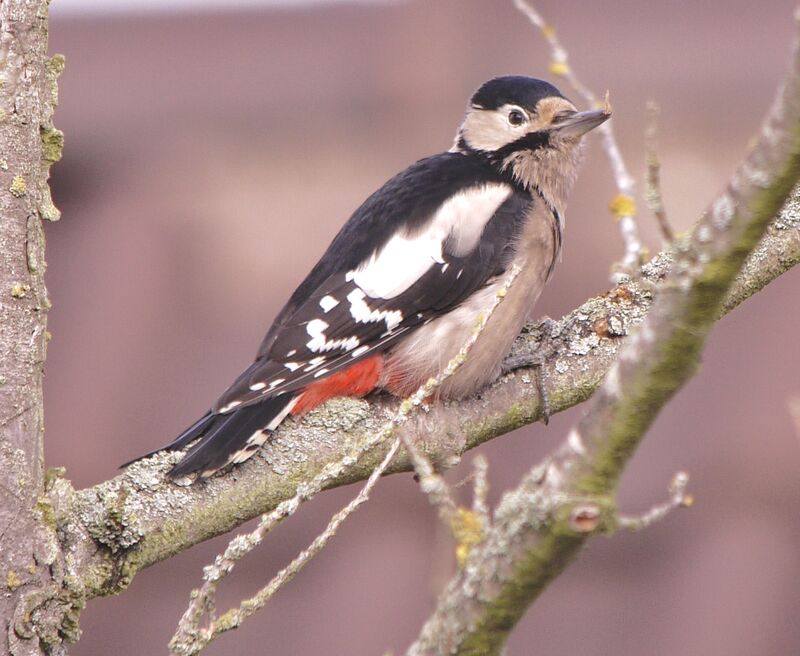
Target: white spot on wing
276	382
316	329
321	372
362	313
327	303
291	366
405	258
314	363
257	386
359	351
291	353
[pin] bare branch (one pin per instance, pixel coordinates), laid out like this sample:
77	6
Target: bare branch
655	199
432	483
480	486
678	498
623	205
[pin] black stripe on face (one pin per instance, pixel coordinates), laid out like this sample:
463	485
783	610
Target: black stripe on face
531	141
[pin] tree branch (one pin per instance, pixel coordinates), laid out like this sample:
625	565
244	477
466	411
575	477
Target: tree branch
114	529
542	524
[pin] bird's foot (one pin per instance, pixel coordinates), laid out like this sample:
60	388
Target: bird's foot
536	362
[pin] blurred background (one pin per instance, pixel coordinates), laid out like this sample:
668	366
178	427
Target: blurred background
213	150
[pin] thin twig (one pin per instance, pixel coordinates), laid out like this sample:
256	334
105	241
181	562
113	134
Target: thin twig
432	483
480	492
678	498
655	199
189	638
235	616
622	206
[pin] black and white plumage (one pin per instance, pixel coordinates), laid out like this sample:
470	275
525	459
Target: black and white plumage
398	291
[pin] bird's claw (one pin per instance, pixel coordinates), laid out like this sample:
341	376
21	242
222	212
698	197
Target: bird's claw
536	362
529	360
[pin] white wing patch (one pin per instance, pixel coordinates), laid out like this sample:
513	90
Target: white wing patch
406	257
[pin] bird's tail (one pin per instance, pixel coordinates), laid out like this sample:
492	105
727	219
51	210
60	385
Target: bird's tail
225	438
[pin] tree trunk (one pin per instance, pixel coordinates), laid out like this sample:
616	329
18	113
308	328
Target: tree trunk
33	606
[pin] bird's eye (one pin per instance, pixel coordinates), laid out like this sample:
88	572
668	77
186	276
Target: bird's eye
516	117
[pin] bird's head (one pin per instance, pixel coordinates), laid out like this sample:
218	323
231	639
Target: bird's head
526	127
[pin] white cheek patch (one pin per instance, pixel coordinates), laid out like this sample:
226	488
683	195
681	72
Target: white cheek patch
406	258
489	129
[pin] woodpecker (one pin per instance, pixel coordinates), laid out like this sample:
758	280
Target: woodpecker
398	291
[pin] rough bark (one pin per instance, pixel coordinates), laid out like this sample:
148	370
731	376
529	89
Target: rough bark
35	611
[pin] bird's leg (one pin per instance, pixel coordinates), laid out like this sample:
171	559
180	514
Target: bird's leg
536	362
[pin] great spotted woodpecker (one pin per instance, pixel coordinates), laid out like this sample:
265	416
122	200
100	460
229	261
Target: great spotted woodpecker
399	289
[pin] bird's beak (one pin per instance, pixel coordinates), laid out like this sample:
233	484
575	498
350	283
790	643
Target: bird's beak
581	122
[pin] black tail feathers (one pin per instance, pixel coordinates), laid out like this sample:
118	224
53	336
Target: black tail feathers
194	431
224	438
